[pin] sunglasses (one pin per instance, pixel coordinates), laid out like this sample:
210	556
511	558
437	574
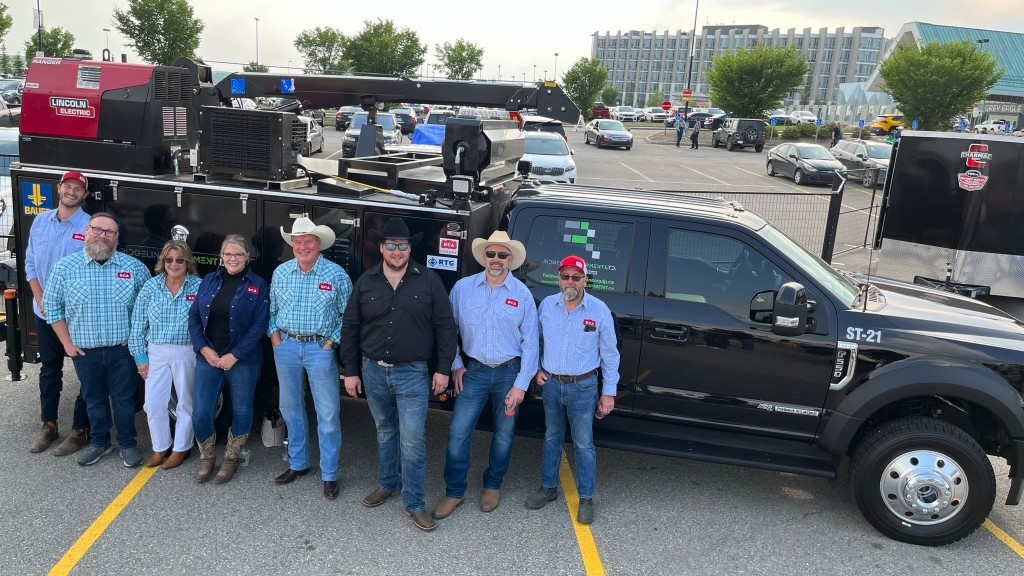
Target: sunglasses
174	260
499	255
573	277
390	246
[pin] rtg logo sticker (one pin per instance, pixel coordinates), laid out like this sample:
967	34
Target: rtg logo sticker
72	107
36	198
977	155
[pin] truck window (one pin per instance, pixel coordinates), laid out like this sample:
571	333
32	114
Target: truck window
605	246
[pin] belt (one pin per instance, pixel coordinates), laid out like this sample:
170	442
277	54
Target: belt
391	364
505	363
310	338
565	378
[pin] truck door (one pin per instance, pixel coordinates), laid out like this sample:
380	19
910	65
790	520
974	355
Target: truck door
704	359
440	249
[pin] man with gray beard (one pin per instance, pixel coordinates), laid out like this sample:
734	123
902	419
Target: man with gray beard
578	336
88	301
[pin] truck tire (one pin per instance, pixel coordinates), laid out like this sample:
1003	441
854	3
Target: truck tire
758	148
730	145
922	481
714	141
586	139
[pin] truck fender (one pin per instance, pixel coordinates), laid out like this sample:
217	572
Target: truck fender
922	377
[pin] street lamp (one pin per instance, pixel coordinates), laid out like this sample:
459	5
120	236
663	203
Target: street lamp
257	41
107	32
289	67
545	75
982	41
534	72
499	72
693	46
555	73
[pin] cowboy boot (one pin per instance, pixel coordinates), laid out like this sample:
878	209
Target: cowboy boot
207	459
230	463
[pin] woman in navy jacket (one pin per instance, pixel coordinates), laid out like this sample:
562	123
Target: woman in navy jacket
228	318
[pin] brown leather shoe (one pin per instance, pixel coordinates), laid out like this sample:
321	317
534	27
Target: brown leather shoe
376	498
446	507
175	459
489	499
289	476
78	439
157	458
421	519
47	434
330	489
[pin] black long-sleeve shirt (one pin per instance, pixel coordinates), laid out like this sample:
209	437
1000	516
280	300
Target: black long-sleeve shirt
400	325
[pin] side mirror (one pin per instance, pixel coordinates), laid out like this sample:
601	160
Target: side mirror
762	307
789	314
793	156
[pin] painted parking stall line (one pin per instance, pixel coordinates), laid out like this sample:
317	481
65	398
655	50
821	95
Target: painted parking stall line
585	539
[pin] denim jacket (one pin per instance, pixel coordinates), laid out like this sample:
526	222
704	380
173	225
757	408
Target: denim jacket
250	315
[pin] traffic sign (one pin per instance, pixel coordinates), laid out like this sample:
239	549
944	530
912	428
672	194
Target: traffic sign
914	124
666	105
1006	127
860	123
687	94
963	124
773	121
818	122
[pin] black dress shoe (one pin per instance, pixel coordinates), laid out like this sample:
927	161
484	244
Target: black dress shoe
330	489
289	476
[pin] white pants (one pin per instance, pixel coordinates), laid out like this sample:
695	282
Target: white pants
170	364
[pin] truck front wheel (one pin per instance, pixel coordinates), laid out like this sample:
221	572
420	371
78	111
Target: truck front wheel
922	481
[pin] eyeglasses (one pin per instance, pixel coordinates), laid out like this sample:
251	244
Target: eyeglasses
232	256
174	260
499	255
573	277
101	231
390	246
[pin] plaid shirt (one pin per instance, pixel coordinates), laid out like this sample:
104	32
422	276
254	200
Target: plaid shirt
308	303
160	317
576	342
49	240
94	299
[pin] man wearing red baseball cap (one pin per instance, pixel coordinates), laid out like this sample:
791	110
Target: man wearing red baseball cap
54	234
578	335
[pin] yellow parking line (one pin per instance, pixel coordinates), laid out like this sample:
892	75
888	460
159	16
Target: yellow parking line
588	550
998	533
96	529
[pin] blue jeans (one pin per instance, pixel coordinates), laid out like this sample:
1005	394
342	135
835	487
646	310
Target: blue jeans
51	377
479	383
398	401
209	380
294	360
579	401
108	379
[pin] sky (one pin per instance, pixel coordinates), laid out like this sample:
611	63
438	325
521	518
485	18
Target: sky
521	39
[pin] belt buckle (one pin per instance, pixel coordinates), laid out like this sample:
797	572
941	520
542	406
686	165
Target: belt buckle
384	364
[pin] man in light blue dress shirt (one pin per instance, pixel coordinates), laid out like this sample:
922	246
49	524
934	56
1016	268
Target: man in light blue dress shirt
497	321
578	335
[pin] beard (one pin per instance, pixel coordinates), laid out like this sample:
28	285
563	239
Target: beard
570	293
396	267
496	273
99	251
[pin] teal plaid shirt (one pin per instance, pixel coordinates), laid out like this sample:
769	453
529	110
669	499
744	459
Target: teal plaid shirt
94	299
308	303
160	317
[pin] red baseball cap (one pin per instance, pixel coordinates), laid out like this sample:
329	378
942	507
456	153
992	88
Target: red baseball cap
574	261
73	175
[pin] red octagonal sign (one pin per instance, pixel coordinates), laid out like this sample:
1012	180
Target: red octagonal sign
666	105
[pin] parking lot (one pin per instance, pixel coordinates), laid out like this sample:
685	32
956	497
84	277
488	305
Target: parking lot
654	515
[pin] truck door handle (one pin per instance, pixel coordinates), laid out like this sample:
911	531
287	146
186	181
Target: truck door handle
673	332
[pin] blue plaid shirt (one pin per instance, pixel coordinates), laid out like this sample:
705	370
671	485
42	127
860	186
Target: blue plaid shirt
94	299
160	317
308	303
49	240
497	324
579	341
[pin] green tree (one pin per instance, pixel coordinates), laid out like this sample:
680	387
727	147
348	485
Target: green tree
935	82
322	50
656	98
610	95
752	81
583	82
17	64
380	48
56	42
255	67
5	60
5	22
160	30
459	61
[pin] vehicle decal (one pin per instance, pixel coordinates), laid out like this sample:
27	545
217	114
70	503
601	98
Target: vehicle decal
442	263
861	334
845	363
448	246
976	155
36	198
972	180
785	409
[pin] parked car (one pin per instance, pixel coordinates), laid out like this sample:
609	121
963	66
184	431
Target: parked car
406	119
804	117
551	157
8	154
387	122
998	125
608	133
869	160
11	91
886	124
9	116
783	120
436	116
624	114
715	121
805	163
600	111
314	136
543	124
344	116
655	114
739	133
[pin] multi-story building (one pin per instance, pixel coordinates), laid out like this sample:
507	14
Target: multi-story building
639	62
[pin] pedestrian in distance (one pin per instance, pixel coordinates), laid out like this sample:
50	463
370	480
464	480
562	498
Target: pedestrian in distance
55	234
497	321
578	339
680	127
160	344
88	301
398	318
226	322
308	295
837	135
695	136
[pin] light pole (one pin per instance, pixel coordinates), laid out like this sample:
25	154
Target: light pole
499	72
693	45
257	41
107	32
289	67
545	75
534	72
555	73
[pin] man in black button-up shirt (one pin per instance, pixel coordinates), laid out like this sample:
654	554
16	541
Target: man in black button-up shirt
397	317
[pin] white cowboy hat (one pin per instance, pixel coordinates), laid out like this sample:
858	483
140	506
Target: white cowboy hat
304	226
501	239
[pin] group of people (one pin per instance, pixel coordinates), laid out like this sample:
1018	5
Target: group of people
398	334
681	123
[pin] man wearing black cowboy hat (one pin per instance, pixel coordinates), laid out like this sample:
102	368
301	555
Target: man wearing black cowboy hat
397	318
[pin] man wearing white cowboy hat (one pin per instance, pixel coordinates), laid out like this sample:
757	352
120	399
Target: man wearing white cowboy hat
497	319
308	295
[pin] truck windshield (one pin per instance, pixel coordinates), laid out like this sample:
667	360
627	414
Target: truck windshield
830	279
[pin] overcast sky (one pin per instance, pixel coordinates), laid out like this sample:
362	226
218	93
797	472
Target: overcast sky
517	36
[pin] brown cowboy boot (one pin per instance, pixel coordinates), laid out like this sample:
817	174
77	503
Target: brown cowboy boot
207	459
230	463
47	434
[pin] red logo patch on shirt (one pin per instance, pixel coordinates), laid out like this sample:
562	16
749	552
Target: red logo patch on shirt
589	322
512	302
78	236
124	275
325	286
190	297
252	290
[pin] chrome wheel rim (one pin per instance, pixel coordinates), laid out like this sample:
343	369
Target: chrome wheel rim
924	487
